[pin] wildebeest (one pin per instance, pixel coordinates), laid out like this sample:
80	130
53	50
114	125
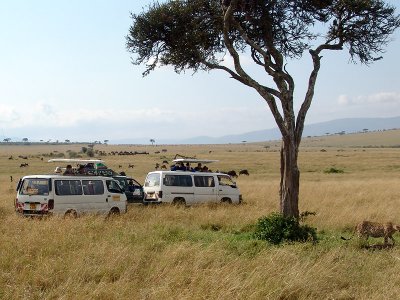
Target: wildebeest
130	166
232	173
24	165
244	172
165	162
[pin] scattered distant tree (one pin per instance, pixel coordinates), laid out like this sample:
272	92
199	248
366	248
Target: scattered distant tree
342	132
196	35
152	141
365	130
41	141
327	133
7	140
106	141
25	140
67	141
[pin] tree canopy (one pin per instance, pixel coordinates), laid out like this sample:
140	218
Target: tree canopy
191	34
198	34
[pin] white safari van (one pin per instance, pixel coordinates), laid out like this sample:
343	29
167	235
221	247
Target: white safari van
69	195
185	187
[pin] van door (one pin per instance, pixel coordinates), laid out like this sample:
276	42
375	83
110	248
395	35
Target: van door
178	186
204	188
115	195
68	196
95	196
227	189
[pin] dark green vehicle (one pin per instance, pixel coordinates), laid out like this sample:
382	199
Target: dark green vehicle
133	190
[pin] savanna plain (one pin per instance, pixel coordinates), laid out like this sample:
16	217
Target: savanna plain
208	251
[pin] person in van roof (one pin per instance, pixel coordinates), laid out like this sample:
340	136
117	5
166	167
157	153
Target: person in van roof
198	168
69	170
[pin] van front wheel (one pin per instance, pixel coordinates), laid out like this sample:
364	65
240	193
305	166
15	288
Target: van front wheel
226	200
113	212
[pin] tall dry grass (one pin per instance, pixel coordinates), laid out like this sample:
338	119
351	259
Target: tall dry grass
207	252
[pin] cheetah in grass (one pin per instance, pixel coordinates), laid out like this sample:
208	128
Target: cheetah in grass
367	229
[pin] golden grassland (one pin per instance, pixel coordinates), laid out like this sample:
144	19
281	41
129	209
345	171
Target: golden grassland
207	252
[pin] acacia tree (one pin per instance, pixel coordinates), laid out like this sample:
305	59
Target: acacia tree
197	34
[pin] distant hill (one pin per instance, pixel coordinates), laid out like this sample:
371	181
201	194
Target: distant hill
349	125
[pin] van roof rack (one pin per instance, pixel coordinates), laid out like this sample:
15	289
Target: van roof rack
76	160
195	160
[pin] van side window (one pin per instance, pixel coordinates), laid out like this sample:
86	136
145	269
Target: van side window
93	187
178	180
204	181
68	187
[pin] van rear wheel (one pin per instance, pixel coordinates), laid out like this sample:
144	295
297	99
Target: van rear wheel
179	202
71	214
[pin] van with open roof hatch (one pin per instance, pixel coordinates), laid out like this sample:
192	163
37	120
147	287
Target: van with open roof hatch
190	187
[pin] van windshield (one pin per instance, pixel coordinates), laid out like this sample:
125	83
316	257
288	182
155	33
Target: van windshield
152	180
35	186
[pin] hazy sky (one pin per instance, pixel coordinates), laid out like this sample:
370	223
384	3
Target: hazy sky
65	74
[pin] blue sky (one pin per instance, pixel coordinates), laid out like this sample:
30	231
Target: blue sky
65	74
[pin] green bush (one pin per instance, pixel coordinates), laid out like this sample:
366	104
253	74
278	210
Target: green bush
73	154
277	229
333	171
90	152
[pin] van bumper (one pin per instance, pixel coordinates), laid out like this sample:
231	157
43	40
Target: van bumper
151	202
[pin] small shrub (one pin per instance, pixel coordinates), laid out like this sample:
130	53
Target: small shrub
73	154
333	171
90	152
53	154
276	229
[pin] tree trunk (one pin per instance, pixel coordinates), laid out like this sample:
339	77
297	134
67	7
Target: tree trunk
290	178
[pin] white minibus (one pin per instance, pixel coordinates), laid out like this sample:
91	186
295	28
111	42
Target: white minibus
39	195
185	187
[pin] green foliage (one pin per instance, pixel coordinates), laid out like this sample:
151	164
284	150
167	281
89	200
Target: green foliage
73	154
84	149
191	35
90	152
52	154
333	170
277	229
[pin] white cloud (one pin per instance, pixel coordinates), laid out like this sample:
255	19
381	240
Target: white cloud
42	121
379	98
343	100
